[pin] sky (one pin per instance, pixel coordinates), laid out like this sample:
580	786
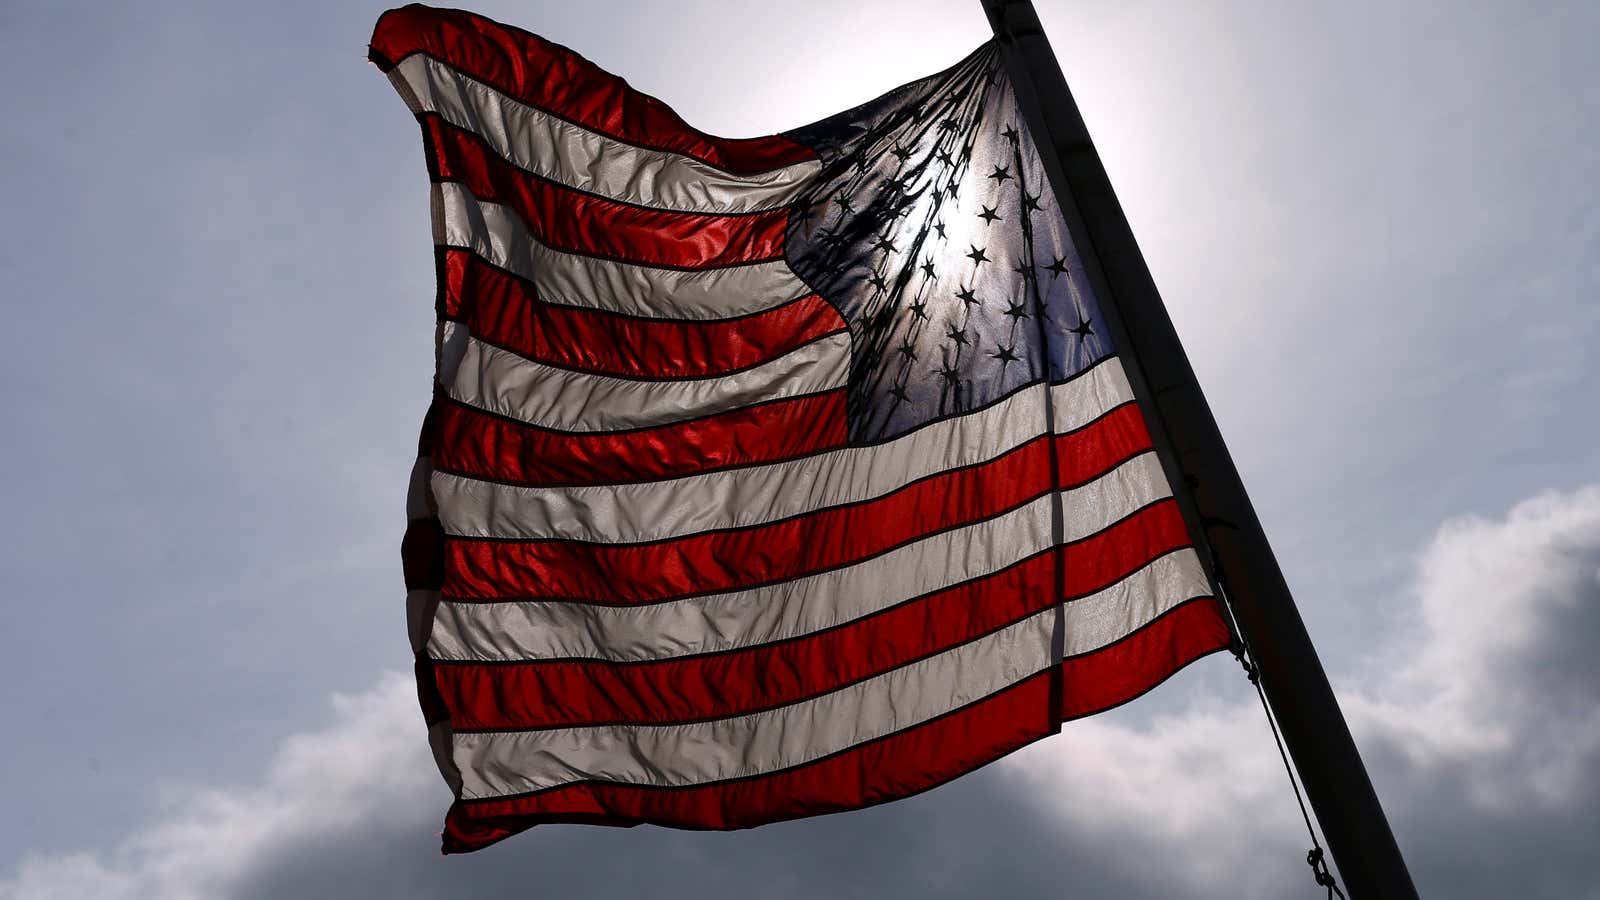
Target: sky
1375	226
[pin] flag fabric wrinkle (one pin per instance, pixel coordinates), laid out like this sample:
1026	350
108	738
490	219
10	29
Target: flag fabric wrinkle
765	477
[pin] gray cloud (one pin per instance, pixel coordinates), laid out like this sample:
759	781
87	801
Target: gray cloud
1488	735
1478	722
353	811
1373	222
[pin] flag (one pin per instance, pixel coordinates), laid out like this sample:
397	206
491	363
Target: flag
763	477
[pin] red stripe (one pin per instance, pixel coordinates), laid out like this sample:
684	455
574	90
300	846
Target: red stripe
1117	435
583	223
555	693
506	310
545	694
433	706
559	81
1122	671
725	560
1104	557
897	766
422	554
458	274
483	446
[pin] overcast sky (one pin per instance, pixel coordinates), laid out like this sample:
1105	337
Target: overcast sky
1378	231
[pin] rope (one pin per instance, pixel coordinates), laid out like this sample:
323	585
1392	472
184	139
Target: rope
1240	647
1314	857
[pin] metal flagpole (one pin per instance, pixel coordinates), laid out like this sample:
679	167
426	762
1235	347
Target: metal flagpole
1302	701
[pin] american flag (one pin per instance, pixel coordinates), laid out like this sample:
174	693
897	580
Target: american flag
764	477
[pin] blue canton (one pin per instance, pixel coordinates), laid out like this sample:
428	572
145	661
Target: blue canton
934	232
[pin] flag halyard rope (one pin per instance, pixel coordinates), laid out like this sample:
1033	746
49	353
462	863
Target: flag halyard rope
1315	857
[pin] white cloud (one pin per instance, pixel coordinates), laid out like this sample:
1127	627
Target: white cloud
370	766
1491	684
1479	724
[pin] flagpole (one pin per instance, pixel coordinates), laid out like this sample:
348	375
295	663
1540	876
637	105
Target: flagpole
1302	701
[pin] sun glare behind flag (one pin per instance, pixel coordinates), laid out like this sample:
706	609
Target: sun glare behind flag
763	478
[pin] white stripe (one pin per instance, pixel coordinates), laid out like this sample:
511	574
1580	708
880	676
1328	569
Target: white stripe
439	741
1112	614
572	155
422	605
743	497
502	382
419	494
555	630
498	234
1114	496
736	498
499	763
1088	396
450	342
